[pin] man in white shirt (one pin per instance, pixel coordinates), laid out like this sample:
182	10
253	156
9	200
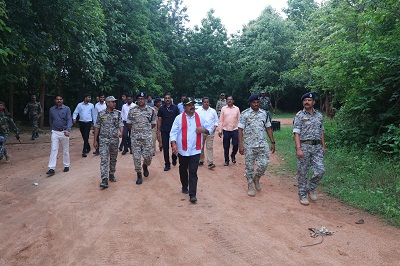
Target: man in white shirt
211	116
99	106
126	134
186	140
87	116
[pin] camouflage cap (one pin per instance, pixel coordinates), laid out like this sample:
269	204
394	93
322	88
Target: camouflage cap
110	99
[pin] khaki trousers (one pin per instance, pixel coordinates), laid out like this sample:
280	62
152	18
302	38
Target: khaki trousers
208	141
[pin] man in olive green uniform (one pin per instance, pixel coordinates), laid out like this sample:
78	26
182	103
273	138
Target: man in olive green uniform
34	110
6	122
141	120
109	128
254	126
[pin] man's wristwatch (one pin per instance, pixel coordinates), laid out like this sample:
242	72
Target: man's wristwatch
272	142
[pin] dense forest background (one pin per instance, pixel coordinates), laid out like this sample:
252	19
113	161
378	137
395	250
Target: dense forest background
347	51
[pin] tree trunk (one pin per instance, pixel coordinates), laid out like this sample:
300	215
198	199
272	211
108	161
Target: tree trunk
11	98
42	96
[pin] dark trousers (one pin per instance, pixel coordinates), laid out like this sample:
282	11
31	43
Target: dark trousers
165	145
188	172
228	135
85	127
126	137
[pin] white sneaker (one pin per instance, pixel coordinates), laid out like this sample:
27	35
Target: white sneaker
251	192
8	158
304	201
257	183
312	195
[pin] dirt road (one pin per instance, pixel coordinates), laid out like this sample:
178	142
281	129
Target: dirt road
68	220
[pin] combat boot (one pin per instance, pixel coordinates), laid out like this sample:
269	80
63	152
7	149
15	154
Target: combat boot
304	200
112	178
139	179
33	136
36	135
104	183
145	170
312	195
251	192
257	183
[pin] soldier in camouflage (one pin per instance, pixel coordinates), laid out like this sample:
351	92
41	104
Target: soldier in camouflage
220	103
6	122
141	120
310	147
253	124
109	128
34	110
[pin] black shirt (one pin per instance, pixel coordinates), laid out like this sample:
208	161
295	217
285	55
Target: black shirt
167	115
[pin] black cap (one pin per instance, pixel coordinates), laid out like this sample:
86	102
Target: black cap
187	101
310	94
253	97
141	94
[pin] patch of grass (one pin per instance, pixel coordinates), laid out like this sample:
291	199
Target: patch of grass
283	115
285	147
363	179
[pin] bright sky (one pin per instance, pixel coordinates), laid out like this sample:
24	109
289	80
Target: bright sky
233	13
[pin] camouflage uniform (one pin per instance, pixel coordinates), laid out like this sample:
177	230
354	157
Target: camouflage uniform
109	124
255	143
34	109
5	122
220	104
141	135
310	128
264	103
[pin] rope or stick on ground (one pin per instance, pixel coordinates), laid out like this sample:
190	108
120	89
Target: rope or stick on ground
315	233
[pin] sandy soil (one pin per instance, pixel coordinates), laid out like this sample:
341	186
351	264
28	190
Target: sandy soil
68	220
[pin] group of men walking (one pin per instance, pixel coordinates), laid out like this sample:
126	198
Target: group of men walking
189	132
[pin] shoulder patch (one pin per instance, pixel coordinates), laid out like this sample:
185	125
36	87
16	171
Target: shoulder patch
299	112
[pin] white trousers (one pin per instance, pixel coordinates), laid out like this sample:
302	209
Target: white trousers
58	137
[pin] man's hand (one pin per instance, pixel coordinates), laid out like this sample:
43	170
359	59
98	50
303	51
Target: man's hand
300	153
272	148
95	144
220	134
241	149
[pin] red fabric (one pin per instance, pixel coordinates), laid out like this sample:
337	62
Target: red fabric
185	130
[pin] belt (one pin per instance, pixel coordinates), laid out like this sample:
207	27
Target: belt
59	130
311	141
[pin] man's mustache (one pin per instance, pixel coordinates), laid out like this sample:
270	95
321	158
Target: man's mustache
191	108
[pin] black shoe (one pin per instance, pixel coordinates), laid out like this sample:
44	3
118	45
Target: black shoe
112	178
96	152
84	155
201	163
33	136
120	148
139	179
226	163
233	159
36	135
167	168
104	183
145	170
50	172
124	152
173	162
66	169
130	151
185	190
193	199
